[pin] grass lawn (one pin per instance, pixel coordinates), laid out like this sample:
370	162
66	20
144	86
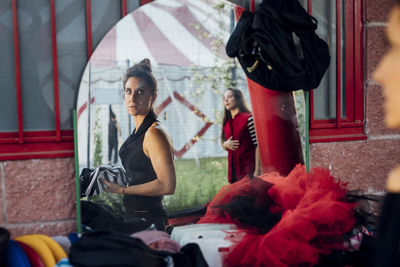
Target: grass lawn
197	183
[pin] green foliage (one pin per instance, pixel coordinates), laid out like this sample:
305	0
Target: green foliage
98	141
197	184
221	76
114	201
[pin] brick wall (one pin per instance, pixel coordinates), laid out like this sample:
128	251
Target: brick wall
38	196
365	164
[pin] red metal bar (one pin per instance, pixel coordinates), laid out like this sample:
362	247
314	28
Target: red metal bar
124	8
17	71
163	105
349	60
332	124
37	150
196	111
311	94
359	61
338	63
192	141
82	108
337	134
252	5
35	136
143	2
89	28
55	69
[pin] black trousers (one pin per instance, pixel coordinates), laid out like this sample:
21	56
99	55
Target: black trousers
113	146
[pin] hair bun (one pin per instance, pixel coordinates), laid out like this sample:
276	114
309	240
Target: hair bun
146	64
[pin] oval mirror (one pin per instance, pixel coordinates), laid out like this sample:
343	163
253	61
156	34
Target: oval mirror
185	41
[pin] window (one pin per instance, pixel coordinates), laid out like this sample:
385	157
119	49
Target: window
337	105
44	48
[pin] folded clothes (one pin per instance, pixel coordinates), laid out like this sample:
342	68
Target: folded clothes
90	179
158	240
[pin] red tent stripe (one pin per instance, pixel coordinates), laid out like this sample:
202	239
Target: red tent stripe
189	21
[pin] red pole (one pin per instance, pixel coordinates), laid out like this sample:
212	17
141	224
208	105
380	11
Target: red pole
55	68
89	29
276	126
338	64
17	71
124	8
143	2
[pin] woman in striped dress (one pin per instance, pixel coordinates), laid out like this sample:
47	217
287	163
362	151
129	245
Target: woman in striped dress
238	137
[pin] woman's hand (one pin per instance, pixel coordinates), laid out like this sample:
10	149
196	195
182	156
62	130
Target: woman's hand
231	144
112	187
258	166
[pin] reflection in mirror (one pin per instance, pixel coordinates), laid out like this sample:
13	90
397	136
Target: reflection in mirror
185	41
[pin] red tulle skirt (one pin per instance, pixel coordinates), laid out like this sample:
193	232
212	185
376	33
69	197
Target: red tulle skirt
314	219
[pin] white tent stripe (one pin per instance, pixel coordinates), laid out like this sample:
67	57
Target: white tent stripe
169	3
204	7
177	34
208	23
130	44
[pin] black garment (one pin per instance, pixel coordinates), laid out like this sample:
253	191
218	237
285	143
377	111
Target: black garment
85	179
388	247
112	140
104	248
4	238
99	216
265	46
140	170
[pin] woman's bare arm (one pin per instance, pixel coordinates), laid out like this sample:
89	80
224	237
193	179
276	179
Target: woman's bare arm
158	147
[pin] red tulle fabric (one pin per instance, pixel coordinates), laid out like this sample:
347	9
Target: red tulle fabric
315	217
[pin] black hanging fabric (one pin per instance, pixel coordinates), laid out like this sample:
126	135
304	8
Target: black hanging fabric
99	216
278	48
388	247
104	248
4	238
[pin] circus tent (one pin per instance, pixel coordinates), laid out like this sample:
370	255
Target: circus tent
185	41
169	32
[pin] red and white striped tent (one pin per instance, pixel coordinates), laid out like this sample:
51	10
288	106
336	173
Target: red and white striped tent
185	41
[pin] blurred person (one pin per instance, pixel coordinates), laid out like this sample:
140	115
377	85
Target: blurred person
388	75
238	137
113	132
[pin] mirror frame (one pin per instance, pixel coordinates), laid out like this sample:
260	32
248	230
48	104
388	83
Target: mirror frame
76	155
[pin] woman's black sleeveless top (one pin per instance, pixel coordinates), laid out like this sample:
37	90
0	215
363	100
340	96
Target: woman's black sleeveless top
140	170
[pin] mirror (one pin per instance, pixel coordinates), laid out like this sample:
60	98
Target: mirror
185	41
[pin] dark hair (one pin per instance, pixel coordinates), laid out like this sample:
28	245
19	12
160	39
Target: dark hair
240	103
143	71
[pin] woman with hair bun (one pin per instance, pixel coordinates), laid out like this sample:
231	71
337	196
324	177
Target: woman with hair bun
147	154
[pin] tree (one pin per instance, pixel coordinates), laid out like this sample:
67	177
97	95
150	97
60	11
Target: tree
98	141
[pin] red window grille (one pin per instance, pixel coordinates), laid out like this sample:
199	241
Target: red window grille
348	123
43	144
